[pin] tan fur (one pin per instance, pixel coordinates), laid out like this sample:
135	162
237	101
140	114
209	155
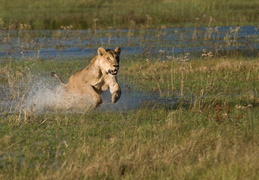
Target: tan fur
98	76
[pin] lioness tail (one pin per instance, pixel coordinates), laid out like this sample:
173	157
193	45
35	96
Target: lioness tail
59	79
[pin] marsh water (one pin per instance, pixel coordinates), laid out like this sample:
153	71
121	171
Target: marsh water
162	44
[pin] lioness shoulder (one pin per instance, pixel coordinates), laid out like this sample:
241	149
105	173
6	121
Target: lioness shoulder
98	76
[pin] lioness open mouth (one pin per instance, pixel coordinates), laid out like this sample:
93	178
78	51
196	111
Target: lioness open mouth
113	72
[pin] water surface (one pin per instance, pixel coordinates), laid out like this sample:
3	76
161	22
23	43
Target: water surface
163	43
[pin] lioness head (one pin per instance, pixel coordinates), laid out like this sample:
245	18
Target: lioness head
109	59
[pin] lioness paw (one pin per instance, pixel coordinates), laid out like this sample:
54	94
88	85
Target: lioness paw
115	97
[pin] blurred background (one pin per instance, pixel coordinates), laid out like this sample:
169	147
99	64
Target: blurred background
85	14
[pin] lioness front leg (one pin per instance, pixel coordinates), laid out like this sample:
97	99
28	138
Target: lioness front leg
96	98
115	91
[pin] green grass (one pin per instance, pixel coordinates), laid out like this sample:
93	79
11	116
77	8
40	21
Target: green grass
210	133
50	14
146	144
209	77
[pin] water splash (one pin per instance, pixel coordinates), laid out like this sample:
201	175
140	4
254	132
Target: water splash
44	98
38	96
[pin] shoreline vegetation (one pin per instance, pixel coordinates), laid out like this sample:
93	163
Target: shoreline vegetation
98	14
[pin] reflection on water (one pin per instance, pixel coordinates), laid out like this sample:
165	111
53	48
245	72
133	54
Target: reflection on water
131	100
160	43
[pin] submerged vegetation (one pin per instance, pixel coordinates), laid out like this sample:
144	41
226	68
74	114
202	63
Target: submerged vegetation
186	117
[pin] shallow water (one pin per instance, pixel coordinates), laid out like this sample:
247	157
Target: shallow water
42	97
164	43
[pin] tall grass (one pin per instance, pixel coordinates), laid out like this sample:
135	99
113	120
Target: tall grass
198	78
146	144
117	14
211	132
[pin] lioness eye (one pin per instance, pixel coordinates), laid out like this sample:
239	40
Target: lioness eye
108	59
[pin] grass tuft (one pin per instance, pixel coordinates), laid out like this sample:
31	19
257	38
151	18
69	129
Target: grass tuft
210	133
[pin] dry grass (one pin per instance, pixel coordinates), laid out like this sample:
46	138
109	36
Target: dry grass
222	76
207	135
158	144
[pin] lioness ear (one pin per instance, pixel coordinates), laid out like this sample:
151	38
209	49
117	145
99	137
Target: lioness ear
101	51
117	50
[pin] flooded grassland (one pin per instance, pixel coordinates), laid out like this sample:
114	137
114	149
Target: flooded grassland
189	105
156	63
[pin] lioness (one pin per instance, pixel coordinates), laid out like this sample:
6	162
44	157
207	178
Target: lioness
98	76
